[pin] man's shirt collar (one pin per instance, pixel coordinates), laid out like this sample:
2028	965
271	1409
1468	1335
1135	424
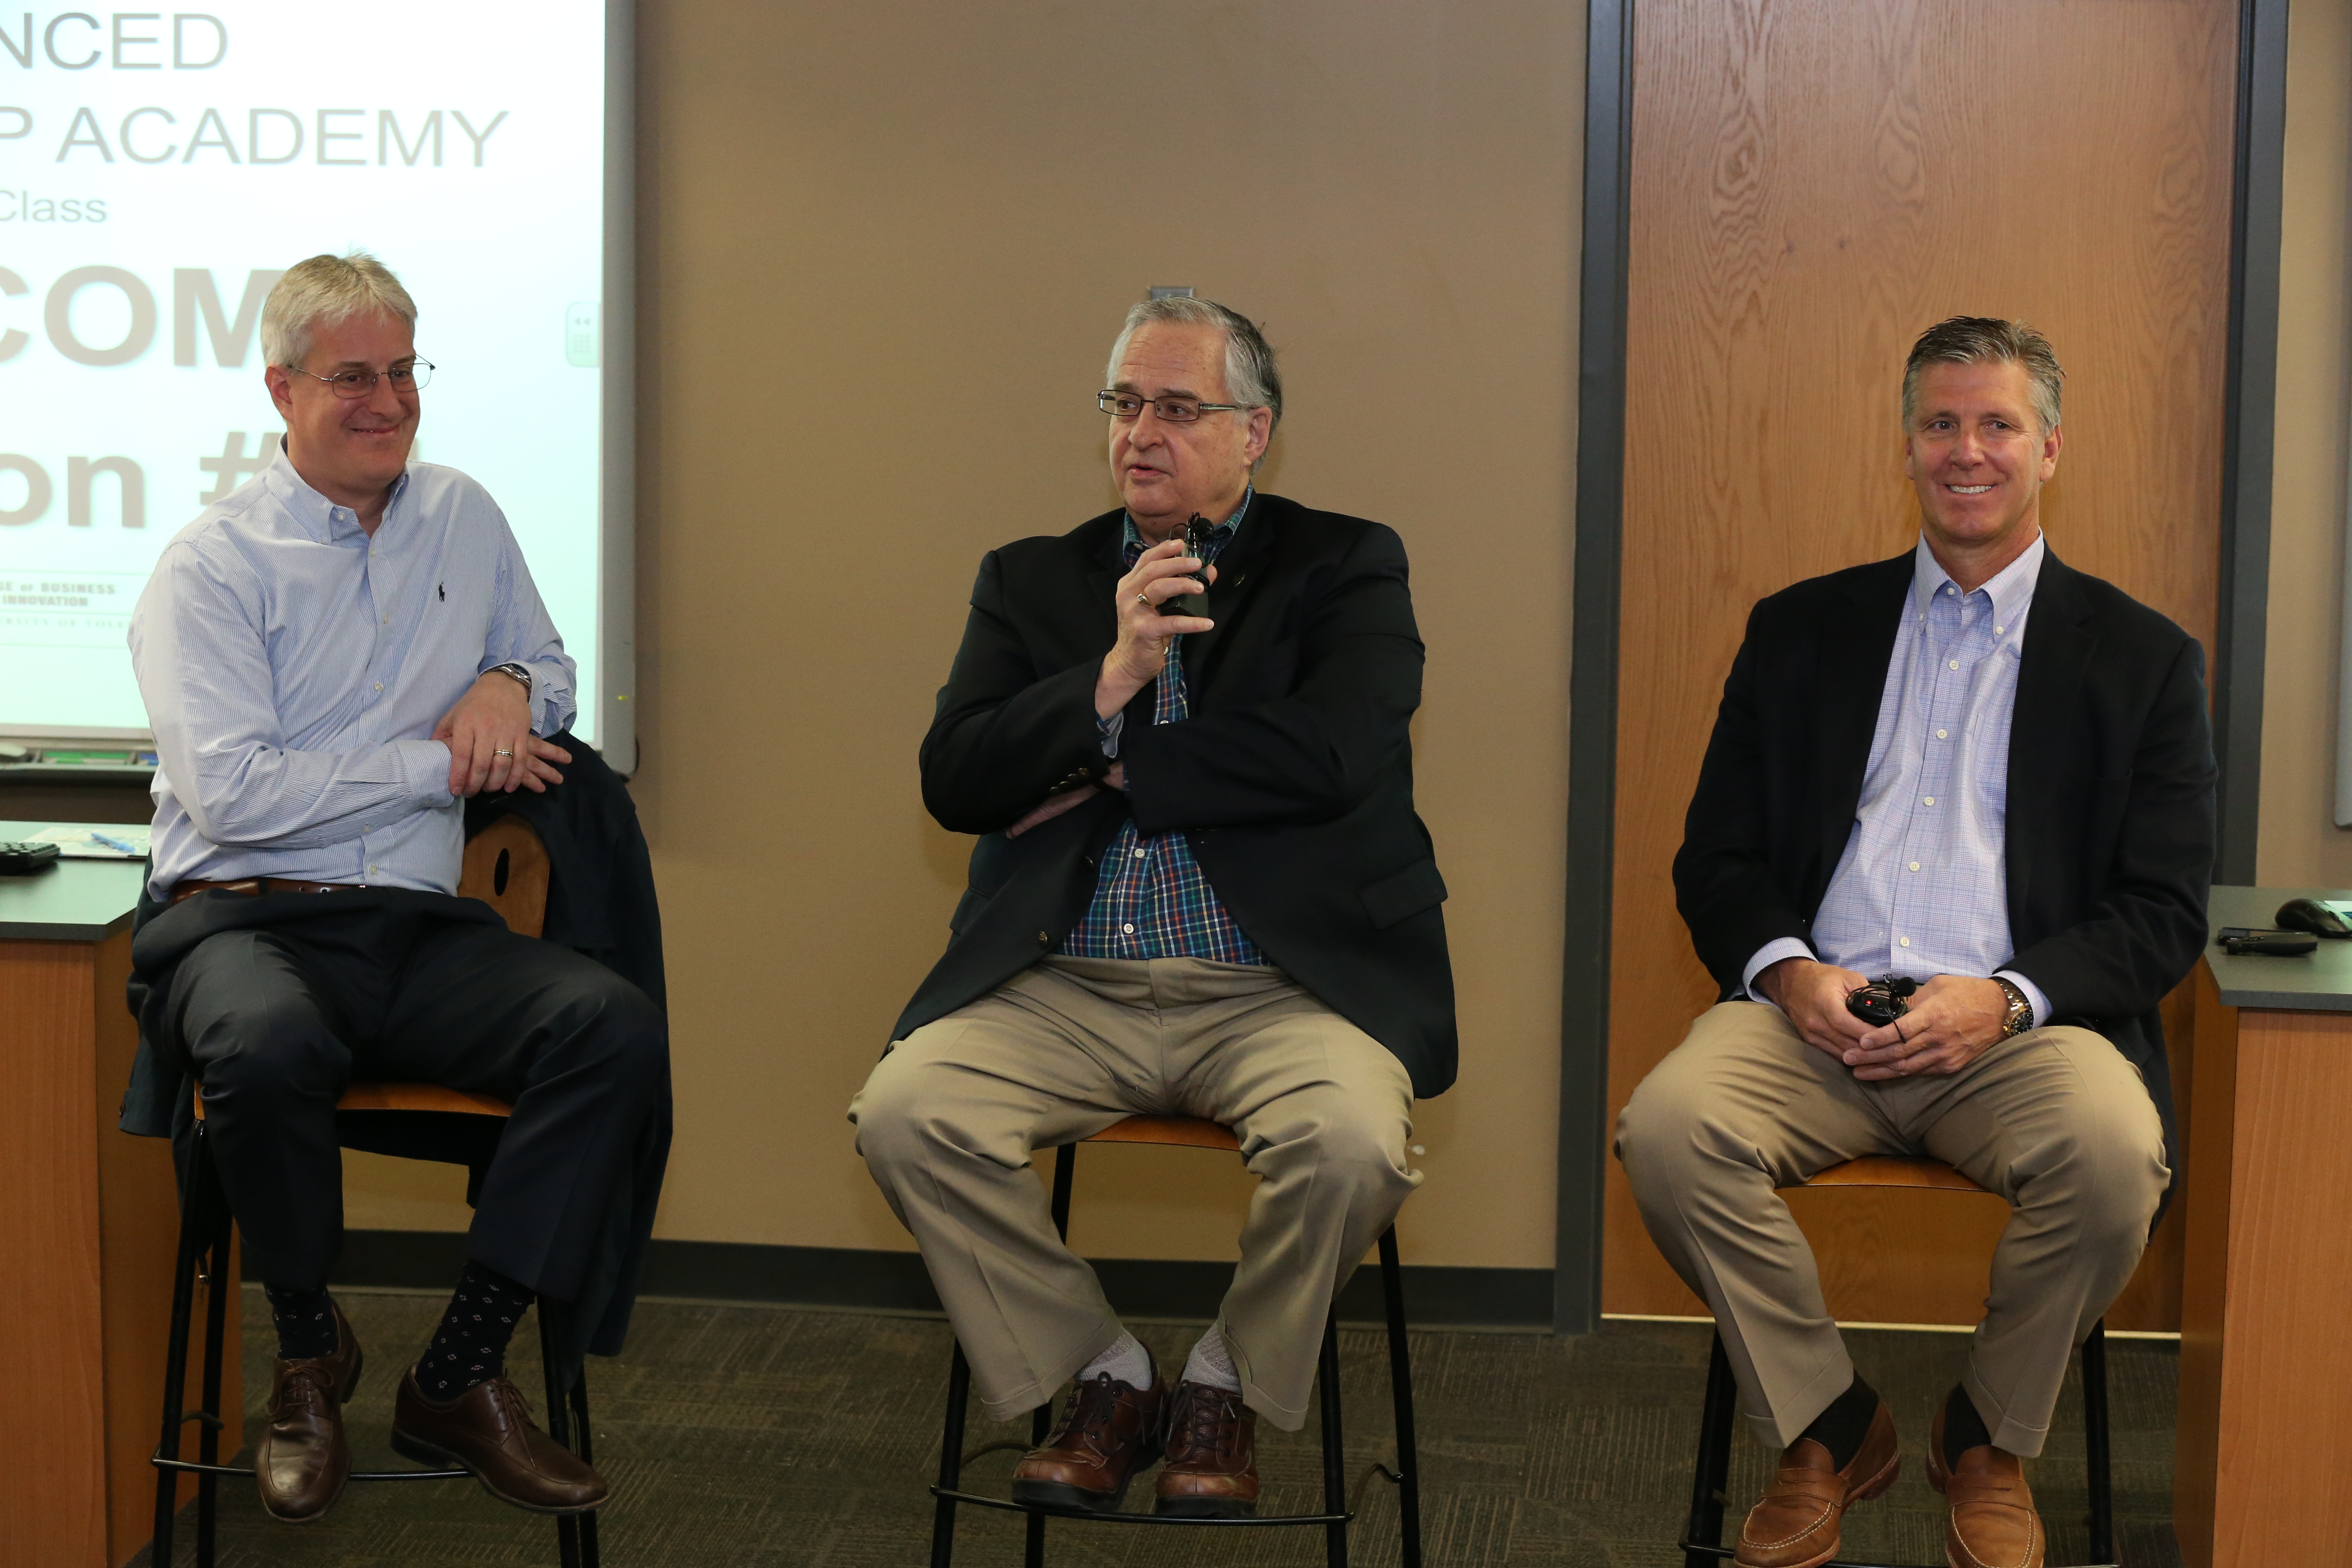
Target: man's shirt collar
1131	541
2010	589
322	520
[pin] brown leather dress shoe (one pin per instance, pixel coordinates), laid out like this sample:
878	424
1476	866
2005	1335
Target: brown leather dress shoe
1795	1524
488	1430
1993	1522
301	1463
1211	1469
1110	1432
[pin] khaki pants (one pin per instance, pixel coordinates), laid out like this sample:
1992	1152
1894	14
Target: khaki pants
2054	1120
948	1120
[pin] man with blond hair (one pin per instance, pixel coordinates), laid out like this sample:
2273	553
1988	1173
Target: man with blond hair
1181	731
1977	770
335	657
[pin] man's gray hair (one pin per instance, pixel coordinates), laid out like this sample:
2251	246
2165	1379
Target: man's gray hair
1251	379
1978	340
327	292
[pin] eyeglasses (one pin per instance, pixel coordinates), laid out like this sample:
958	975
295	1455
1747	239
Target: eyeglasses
405	377
1172	410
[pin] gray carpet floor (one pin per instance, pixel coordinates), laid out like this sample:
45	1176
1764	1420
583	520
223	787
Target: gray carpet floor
746	1437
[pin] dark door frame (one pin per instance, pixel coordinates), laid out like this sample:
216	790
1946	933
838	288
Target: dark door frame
2250	395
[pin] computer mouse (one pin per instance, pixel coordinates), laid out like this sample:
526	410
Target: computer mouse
2311	915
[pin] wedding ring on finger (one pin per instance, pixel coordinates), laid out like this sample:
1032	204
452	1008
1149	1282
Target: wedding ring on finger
1143	599
502	754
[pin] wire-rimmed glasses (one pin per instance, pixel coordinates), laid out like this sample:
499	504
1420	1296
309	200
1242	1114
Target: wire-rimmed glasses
1172	410
407	375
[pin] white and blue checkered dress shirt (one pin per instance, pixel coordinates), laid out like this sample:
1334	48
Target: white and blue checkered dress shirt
1922	889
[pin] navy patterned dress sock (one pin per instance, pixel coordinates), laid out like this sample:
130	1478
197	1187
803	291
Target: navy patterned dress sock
305	1321
471	1347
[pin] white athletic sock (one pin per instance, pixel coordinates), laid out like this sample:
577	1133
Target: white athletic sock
1211	1364
1126	1361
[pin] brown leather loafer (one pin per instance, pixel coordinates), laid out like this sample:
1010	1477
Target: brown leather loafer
302	1462
1795	1524
1993	1522
1211	1469
1110	1432
488	1430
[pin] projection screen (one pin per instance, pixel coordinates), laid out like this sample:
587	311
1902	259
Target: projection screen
159	169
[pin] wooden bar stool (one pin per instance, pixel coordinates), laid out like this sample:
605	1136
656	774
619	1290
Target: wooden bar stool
1188	1132
506	866
1702	1541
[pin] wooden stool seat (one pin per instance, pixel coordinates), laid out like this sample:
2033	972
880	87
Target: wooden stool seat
1169	1132
1894	1171
420	1096
411	1096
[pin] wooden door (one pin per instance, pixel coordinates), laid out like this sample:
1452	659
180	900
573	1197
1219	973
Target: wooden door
1812	183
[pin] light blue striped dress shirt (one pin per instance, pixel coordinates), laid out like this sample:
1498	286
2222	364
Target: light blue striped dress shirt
294	670
1923	887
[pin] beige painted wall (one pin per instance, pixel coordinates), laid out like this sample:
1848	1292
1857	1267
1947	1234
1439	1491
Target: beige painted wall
2300	843
884	248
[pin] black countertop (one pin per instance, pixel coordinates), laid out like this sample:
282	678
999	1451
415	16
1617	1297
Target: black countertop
2317	982
75	901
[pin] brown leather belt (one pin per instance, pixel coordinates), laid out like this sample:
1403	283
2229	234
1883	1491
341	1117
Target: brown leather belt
254	886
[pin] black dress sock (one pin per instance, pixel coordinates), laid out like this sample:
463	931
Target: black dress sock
305	1322
1841	1428
470	1346
1963	1427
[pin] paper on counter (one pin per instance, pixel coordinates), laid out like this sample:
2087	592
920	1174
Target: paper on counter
84	843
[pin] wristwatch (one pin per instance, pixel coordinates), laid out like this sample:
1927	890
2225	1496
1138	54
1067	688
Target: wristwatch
515	671
2020	1011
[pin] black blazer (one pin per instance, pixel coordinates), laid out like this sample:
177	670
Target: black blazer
1291	778
2110	818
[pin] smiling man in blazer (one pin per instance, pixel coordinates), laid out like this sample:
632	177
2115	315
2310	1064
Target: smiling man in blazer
1201	890
1976	767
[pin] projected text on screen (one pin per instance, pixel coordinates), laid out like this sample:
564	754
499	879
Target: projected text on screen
159	170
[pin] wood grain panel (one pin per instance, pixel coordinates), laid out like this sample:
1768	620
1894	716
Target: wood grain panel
87	1239
1812	184
52	1368
2266	1366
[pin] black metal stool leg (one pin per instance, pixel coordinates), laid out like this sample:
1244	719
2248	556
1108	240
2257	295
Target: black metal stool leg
218	1282
1713	1467
1335	1446
1401	1392
194	1216
1041	1423
2094	1442
559	1423
590	1555
950	1461
1065	1166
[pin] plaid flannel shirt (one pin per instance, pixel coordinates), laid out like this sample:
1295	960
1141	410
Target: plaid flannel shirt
1151	899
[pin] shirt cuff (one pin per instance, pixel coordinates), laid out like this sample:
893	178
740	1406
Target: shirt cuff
1770	953
425	769
2033	996
1110	729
